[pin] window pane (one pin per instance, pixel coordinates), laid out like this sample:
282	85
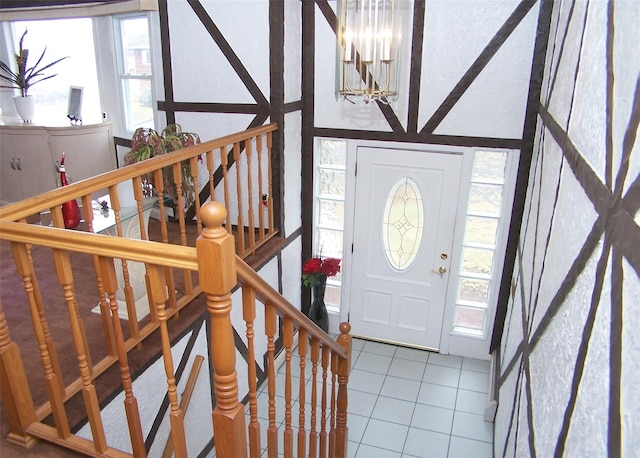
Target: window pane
489	166
470	318
473	290
332	182
333	152
481	230
485	198
332	294
135	46
138	103
52	95
331	214
329	243
477	260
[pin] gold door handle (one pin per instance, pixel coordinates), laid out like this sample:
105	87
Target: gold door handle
441	271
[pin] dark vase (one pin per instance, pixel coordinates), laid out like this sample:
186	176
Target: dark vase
318	309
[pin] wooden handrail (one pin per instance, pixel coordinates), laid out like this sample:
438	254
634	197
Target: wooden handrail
36	204
155	253
268	295
162	254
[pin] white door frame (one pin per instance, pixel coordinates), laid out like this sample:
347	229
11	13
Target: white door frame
467	163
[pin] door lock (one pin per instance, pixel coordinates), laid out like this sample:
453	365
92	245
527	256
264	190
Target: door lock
441	270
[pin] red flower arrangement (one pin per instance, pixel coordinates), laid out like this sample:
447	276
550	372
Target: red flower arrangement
316	268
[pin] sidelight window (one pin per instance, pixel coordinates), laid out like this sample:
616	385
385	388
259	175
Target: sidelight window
330	183
482	223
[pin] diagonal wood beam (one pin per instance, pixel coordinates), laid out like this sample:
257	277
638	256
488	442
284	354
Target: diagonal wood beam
478	65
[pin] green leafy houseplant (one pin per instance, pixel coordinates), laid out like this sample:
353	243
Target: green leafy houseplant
147	143
26	76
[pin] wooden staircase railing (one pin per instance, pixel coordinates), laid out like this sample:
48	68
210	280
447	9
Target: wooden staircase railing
320	429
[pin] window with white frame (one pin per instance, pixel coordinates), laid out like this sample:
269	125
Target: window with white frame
478	270
134	70
52	95
330	183
134	67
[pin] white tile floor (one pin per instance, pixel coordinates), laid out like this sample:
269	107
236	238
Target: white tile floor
409	403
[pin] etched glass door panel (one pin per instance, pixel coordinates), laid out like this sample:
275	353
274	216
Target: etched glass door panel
404	219
402	223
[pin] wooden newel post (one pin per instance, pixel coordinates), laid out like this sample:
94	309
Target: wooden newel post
14	389
217	274
344	367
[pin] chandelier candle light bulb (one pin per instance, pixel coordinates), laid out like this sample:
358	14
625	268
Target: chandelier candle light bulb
368	49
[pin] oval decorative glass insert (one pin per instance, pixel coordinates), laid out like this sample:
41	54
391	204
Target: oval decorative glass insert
403	223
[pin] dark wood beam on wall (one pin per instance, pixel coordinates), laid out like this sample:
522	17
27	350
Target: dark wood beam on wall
308	70
522	180
276	99
167	71
415	72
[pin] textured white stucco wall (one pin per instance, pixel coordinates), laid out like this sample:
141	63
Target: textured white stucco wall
557	382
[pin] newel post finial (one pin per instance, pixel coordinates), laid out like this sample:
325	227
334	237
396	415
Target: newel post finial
217	273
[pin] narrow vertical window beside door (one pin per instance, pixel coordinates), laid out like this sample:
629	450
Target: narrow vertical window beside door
480	241
330	183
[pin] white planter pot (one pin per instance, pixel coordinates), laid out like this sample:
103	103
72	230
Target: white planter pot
26	107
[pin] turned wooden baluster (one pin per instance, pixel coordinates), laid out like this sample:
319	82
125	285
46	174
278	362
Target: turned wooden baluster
211	171
313	433
323	415
217	275
302	352
89	395
138	194
176	416
344	368
177	177
158	180
250	221
14	389
332	403
224	163
130	402
240	223
128	289
249	316
107	327
196	186
261	192
57	217
287	341
270	320
270	183
53	383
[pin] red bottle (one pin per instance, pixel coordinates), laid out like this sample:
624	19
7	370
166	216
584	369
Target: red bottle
70	210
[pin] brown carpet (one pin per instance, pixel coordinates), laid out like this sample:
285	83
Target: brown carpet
15	307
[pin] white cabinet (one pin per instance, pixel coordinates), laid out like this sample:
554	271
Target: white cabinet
29	154
26	167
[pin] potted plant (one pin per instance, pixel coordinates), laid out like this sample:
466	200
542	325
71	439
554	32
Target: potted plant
24	78
147	143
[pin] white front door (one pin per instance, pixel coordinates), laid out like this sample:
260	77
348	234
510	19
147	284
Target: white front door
405	213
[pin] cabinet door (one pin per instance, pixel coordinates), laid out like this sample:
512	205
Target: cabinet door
10	187
38	172
88	153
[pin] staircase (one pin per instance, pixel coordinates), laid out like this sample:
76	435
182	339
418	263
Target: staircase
239	304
